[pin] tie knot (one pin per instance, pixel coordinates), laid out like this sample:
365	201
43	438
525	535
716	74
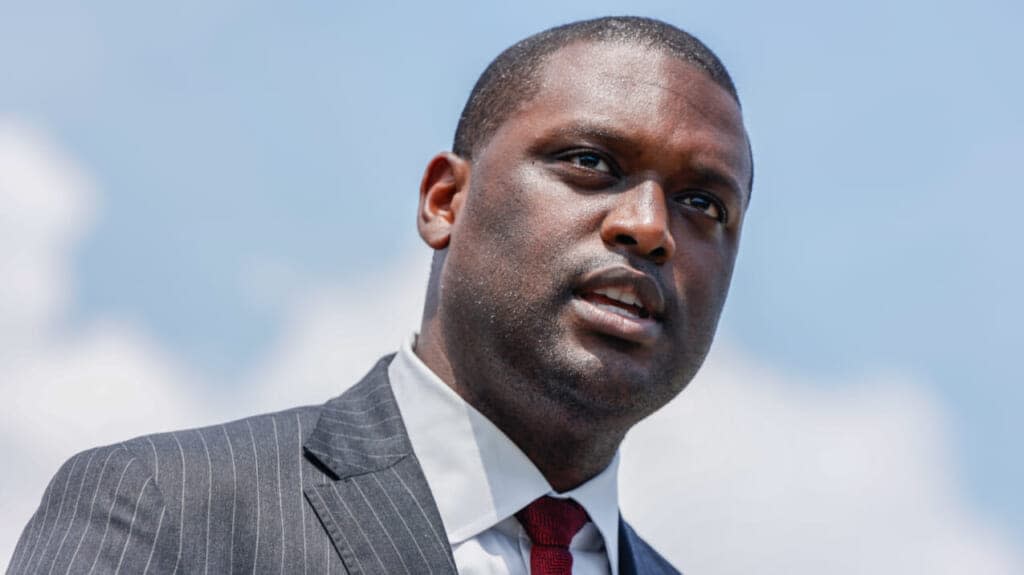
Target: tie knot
552	522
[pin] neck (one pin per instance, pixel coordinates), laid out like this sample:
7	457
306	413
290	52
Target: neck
565	454
568	445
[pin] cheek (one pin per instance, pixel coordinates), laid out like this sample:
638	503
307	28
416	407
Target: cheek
496	208
703	277
523	215
498	247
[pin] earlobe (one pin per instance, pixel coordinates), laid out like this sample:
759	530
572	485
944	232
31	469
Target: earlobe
441	196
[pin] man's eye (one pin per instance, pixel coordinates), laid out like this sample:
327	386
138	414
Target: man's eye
704	203
589	160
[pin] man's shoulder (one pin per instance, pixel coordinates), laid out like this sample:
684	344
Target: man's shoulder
247	444
280	430
188	445
147	501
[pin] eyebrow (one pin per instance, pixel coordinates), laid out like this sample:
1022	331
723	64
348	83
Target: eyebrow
706	175
596	132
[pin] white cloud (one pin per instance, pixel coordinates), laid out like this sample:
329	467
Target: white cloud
751	470
334	333
761	471
45	203
62	391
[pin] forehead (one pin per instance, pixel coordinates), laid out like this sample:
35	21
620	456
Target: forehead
651	96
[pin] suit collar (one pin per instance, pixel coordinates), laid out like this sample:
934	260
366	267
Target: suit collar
378	509
360	431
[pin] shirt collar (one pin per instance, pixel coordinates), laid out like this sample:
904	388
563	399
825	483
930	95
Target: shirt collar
477	475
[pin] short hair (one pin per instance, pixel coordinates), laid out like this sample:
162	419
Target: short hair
511	79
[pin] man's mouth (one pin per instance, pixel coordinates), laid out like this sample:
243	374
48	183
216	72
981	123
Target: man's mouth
620	302
623	301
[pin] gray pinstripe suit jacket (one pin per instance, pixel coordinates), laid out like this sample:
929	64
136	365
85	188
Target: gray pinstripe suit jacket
323	489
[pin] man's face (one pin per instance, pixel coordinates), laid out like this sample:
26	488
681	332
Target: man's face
593	251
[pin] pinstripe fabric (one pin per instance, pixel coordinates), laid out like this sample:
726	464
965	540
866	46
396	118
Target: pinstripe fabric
379	513
322	489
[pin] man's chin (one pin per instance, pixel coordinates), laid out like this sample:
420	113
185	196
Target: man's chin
615	376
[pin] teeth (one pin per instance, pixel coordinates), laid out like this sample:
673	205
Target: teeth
617	310
625	296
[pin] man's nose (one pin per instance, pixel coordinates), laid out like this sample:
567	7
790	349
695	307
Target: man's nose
639	221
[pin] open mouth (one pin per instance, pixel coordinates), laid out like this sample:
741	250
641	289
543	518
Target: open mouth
618	312
624	302
621	302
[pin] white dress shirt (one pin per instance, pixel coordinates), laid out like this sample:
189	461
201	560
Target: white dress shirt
480	479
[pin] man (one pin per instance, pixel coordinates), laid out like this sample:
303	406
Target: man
585	229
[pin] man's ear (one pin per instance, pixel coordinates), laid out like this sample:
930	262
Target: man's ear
442	193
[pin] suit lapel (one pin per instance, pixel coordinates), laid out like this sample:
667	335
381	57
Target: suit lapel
636	556
627	553
378	509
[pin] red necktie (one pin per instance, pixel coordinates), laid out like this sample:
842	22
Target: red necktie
551	524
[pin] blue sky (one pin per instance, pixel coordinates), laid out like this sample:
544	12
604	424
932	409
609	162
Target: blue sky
246	150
